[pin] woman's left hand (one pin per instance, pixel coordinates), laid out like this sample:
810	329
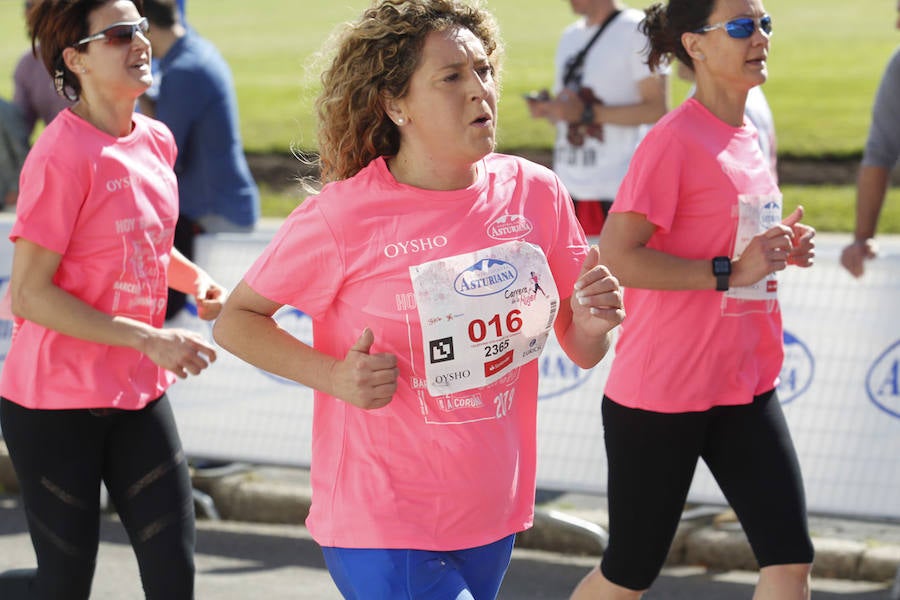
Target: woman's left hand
802	252
597	302
210	298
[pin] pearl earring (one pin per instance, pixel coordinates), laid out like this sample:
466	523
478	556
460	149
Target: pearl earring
400	121
701	56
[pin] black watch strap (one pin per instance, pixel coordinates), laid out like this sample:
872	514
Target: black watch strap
721	268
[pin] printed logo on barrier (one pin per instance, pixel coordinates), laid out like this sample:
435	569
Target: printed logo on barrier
883	381
6	325
299	325
486	277
441	350
510	227
559	375
797	369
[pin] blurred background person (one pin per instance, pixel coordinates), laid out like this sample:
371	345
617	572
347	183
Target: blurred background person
13	149
33	91
153	91
34	99
84	382
197	101
879	159
606	99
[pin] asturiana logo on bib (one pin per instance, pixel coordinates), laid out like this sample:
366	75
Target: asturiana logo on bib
883	381
486	277
772	214
509	227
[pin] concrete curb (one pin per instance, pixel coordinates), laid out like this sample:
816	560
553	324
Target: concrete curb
719	546
707	540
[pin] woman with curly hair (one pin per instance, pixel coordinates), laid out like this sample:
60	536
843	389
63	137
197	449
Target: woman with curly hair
414	263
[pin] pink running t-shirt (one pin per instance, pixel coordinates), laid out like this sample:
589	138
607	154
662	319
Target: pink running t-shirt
683	351
108	206
432	473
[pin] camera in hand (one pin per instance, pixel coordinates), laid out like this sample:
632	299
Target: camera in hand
541	96
579	130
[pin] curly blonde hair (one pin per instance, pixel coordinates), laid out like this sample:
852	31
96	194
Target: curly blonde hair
374	60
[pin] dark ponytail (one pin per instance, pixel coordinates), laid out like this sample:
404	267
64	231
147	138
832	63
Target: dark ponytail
664	25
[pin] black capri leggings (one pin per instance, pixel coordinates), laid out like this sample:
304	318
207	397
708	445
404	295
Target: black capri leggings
652	457
60	458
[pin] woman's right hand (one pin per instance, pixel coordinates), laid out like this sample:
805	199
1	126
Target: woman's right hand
180	351
365	380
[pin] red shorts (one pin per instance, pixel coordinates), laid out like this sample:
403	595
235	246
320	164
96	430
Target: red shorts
591	215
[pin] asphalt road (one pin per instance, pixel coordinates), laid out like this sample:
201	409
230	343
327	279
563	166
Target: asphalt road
280	562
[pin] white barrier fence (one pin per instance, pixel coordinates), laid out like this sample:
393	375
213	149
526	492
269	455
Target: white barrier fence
840	388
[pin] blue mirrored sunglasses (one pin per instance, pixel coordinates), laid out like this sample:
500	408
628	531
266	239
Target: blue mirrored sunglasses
741	28
118	34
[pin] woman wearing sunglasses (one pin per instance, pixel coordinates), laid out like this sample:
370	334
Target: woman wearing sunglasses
696	236
84	382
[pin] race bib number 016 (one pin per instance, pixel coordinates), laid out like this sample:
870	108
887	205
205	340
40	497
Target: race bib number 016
483	314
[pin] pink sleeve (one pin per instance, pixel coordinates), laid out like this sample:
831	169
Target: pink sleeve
50	198
302	266
567	256
162	137
652	184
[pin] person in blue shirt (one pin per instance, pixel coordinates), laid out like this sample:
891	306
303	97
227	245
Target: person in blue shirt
197	101
153	92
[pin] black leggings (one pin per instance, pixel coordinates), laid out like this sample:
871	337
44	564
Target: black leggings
652	457
60	458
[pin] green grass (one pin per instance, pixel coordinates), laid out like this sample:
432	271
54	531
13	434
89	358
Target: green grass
276	203
827	207
826	59
825	63
831	207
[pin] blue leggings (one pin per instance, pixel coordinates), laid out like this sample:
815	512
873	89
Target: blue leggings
61	456
374	574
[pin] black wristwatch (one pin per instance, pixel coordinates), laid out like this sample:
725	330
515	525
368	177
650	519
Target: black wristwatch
587	115
721	268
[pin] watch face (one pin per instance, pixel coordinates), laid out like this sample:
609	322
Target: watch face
721	266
